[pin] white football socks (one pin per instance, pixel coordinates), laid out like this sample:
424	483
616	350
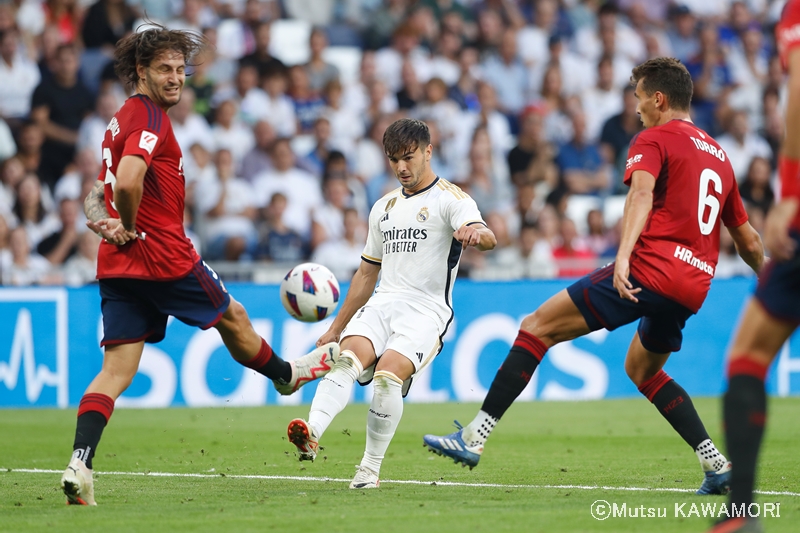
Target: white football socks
476	433
383	417
710	458
333	392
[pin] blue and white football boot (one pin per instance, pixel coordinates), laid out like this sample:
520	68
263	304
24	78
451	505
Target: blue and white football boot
454	447
718	482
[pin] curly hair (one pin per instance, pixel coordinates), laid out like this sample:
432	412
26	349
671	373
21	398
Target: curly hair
669	76
142	47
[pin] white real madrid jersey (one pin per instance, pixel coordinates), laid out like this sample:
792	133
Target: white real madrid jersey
411	238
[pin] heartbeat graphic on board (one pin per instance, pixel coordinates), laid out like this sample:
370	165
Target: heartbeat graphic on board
36	377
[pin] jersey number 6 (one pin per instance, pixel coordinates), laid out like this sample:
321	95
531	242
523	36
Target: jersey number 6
705	199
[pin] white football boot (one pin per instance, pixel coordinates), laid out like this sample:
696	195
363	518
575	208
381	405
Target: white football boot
77	483
310	367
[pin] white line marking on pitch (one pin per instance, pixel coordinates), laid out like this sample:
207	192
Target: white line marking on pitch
397	481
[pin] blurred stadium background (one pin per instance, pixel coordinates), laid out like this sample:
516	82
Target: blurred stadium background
280	126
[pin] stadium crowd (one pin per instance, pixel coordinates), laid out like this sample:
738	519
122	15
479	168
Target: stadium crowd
281	121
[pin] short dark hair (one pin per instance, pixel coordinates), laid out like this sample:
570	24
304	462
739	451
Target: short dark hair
142	47
668	76
405	134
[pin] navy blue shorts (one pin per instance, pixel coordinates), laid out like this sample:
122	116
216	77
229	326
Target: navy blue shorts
662	320
137	309
779	287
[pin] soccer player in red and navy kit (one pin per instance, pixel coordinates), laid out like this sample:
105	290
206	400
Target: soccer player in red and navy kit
773	313
682	189
147	267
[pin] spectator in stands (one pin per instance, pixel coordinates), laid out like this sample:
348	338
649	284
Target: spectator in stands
496	123
20	77
11	173
438	107
602	101
508	76
193	17
202	83
444	62
749	66
533	40
772	121
465	91
300	188
81	268
308	104
238	36
5	248
584	171
532	161
278	242
189	126
74	185
370	161
597	239
382	23
63	243
593	40
30	211
26	268
343	255
572	259
106	22
577	73
93	127
228	204
328	219
337	167
411	91
314	161
279	109
682	33
319	71
346	126
230	133
59	105
712	79
8	148
257	159
261	57
553	107
356	96
65	16
741	145
483	180
756	190
405	47
29	149
616	136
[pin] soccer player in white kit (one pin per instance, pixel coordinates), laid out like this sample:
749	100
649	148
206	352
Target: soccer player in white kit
416	235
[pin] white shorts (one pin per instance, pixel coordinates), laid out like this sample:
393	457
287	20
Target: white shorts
397	325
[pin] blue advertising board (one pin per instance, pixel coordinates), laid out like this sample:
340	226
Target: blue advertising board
49	351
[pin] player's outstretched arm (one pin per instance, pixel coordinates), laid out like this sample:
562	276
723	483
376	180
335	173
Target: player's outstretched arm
477	235
748	245
361	288
638	205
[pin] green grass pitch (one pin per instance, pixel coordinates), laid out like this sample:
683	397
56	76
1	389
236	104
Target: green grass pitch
528	479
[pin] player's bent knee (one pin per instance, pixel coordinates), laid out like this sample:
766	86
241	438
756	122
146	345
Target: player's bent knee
386	377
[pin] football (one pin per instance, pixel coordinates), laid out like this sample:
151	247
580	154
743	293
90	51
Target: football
310	292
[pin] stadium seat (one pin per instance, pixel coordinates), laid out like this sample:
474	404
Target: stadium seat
578	206
289	41
613	207
347	59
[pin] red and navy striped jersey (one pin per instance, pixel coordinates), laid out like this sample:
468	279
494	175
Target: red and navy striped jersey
677	251
141	128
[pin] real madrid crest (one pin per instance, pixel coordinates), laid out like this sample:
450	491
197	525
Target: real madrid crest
422	216
390	204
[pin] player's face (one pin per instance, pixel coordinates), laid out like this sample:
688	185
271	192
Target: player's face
646	106
165	77
409	167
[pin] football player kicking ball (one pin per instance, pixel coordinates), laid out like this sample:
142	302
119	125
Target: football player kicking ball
416	235
147	267
681	187
773	313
